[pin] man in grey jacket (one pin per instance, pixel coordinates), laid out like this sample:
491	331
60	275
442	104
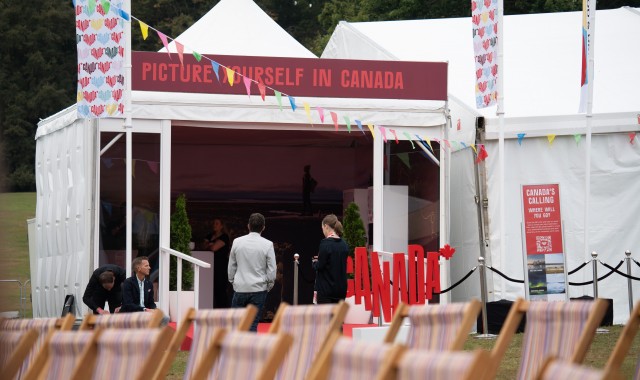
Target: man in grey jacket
252	268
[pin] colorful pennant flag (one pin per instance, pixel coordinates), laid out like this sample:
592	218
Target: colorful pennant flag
144	29
577	137
197	56
359	123
334	117
278	98
180	49
292	101
348	122
320	113
373	134
165	43
383	132
632	137
482	154
247	84
408	136
216	66
393	132
404	157
550	138
263	90
231	75
106	5
307	110
520	137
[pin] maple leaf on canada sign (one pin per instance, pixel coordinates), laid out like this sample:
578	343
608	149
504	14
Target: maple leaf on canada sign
447	251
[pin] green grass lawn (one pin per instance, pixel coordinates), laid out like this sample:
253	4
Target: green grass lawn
15	209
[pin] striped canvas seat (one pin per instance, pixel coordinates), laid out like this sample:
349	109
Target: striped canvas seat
355	360
310	326
65	348
438	365
14	348
123	354
553	329
206	323
42	326
124	320
243	355
556	369
435	327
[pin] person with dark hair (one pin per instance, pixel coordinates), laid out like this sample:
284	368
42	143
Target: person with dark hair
252	268
105	285
331	263
137	289
218	243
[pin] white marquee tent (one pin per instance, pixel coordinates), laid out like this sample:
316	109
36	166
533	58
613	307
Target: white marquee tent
542	55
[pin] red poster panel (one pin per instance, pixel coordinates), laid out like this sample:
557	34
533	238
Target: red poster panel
542	220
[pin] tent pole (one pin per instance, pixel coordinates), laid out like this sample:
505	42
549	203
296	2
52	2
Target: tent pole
589	11
126	6
501	152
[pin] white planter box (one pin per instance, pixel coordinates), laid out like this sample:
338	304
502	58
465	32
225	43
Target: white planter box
186	302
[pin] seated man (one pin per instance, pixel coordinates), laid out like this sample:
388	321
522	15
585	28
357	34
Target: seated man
137	289
105	286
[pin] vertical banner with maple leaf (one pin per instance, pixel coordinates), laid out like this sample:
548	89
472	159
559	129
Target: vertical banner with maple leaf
484	16
100	46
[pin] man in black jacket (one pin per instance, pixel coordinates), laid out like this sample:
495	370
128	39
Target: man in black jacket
137	289
105	286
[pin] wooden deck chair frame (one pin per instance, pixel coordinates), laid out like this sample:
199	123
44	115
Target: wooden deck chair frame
470	317
517	312
20	352
389	369
181	332
87	361
89	320
43	360
267	372
623	344
322	364
607	373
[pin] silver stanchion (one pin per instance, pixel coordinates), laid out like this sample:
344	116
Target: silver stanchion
295	278
483	295
629	285
594	265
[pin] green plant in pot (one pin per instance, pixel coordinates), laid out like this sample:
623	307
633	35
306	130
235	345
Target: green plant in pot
180	238
354	232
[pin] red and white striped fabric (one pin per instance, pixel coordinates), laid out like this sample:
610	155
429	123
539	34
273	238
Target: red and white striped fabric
435	327
124	320
43	325
434	365
564	370
243	355
355	360
65	348
121	352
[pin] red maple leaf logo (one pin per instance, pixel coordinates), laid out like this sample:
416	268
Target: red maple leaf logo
447	251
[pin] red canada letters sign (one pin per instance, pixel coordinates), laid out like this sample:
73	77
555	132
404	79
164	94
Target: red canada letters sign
310	77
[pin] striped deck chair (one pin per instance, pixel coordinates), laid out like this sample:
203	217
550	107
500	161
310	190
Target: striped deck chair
554	369
44	327
123	354
435	327
137	320
310	326
436	365
60	354
206	321
14	348
623	344
561	329
344	358
243	355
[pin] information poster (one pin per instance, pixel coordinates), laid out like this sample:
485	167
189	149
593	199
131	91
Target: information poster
544	248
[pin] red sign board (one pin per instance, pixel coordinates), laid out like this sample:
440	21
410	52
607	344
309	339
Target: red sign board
542	220
310	77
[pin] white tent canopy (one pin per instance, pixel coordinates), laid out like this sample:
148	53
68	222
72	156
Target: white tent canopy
542	57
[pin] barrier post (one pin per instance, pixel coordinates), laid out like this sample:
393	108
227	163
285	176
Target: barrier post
296	257
629	285
483	296
594	266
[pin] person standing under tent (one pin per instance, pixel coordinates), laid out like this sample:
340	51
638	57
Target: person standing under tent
218	242
331	263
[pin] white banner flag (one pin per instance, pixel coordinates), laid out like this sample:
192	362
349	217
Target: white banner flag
484	16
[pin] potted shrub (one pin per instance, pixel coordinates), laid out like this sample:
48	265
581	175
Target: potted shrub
180	239
355	236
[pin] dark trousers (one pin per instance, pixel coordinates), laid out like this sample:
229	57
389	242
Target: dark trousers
113	297
322	299
257	299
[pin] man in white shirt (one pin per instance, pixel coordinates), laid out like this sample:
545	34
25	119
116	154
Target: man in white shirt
252	267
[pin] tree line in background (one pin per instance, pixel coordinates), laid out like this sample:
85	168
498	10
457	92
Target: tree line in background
38	50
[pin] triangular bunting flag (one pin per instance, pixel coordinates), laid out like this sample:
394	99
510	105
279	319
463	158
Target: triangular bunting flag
577	137
180	49
106	6
360	126
231	75
292	101
404	157
164	42
247	84
123	14
197	56
463	144
263	90
393	132
550	138
278	98
144	29
520	137
348	122
474	148
428	141
307	110
154	166
383	131
482	155
373	134
446	142
334	117
632	137
216	66
408	136
320	113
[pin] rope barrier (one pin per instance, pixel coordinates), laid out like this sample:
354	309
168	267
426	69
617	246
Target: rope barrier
599	278
637	263
618	272
578	268
459	282
505	276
